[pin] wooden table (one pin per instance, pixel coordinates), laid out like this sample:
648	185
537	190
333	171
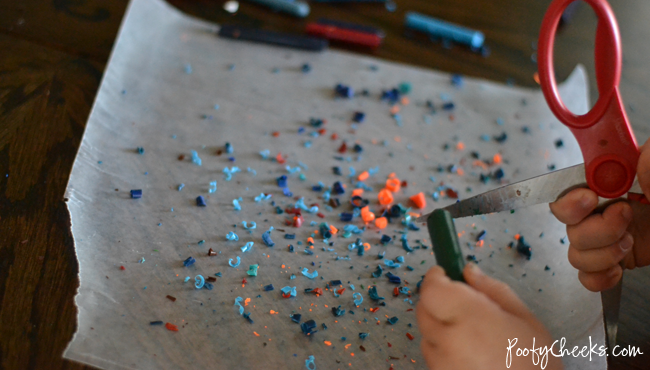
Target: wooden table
52	54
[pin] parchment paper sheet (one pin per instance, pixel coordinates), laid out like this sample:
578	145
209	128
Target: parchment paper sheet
147	99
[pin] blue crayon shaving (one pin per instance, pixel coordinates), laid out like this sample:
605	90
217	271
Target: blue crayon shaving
252	270
393	278
248	246
180	187
354	229
391	264
195	158
287	289
266	237
405	244
213	187
378	272
241	308
309	363
312	275
269	288
232	236
262	197
399	259
234	265
372	293
235	203
199	281
337	311
246	226
292	170
358	298
301	204
252	171
229	172
189	261
361	185
265	154
307	328
346	217
413	226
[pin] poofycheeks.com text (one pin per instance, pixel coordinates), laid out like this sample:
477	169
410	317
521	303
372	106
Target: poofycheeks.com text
539	355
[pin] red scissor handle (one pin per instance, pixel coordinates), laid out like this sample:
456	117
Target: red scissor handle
604	134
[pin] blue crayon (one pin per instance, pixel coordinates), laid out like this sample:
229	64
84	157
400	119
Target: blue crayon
445	30
296	8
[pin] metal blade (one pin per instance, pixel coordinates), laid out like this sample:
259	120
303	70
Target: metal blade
541	189
611	300
636	187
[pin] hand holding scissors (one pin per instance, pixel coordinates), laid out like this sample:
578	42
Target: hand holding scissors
611	158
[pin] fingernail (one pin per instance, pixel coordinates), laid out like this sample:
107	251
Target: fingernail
588	202
475	269
626	243
627	213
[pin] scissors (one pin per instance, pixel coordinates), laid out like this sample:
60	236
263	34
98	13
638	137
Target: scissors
608	146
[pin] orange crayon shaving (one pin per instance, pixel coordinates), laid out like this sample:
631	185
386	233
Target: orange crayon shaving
419	200
385	197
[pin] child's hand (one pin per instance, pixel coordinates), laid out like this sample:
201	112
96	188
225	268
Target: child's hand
600	241
470	326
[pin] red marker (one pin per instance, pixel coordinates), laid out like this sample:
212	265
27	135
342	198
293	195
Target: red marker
340	34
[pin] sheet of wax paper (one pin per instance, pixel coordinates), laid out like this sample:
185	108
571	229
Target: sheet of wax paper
166	77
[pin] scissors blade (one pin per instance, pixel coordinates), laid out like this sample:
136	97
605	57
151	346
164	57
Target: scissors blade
541	189
611	300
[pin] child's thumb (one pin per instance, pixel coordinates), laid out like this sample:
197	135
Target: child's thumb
497	291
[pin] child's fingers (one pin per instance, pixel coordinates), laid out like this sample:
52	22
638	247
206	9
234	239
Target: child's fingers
443	299
599	230
498	291
432	330
574	206
599	259
432	274
432	355
602	280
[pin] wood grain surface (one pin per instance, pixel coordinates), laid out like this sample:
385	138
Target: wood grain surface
53	52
